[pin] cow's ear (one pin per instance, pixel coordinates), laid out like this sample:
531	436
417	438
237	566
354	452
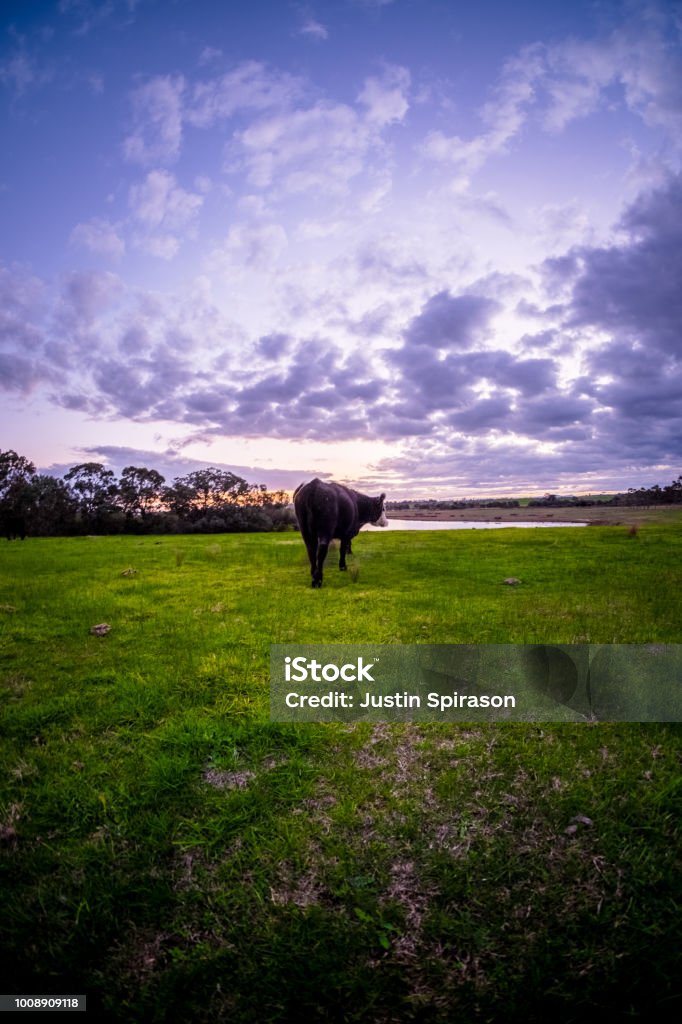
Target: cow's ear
381	497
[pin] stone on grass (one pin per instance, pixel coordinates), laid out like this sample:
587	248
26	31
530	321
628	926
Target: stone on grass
101	629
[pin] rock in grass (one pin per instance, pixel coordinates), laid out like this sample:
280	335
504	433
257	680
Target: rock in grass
101	629
512	581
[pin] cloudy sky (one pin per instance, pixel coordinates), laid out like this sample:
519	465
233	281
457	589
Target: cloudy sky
427	246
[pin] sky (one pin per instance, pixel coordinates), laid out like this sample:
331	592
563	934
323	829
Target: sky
427	247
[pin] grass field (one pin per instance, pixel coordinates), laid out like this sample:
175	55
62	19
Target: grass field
170	852
593	515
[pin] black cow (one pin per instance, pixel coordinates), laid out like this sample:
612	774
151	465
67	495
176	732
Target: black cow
326	511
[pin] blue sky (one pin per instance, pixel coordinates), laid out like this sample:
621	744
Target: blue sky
428	247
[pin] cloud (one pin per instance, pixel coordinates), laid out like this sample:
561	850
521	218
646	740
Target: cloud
288	141
323	146
89	294
479	390
209	55
632	290
389	260
639	400
320	148
23	308
540	415
100	237
160	202
427	383
273	346
484	414
313	29
503	116
498	466
164	247
386	97
622	305
559	226
21	72
19	374
171	464
157	121
551	85
161	208
22	295
451	321
18	72
249	247
90	14
318	391
250	86
639	57
483	400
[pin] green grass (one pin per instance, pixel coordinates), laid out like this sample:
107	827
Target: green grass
169	851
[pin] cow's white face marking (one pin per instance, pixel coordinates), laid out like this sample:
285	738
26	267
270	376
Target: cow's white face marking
382	520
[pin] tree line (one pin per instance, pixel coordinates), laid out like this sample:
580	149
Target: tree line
671	494
89	498
448	504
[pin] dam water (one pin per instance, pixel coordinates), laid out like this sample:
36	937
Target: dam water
442	524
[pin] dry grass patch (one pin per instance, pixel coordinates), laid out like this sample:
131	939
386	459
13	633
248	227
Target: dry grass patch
299	890
228	780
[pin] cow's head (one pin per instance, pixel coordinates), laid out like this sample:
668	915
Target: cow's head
378	513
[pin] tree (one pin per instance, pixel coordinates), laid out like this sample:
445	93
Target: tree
52	507
95	491
673	492
205	490
215	487
139	491
260	497
179	499
16	474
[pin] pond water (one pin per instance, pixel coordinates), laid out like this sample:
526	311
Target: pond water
440	524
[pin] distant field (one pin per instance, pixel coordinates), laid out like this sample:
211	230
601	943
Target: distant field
169	851
596	515
592	497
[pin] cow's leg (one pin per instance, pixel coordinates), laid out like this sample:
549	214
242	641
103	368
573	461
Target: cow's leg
345	549
322	548
312	554
311	547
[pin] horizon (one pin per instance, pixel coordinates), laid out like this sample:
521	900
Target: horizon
246	474
416	248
